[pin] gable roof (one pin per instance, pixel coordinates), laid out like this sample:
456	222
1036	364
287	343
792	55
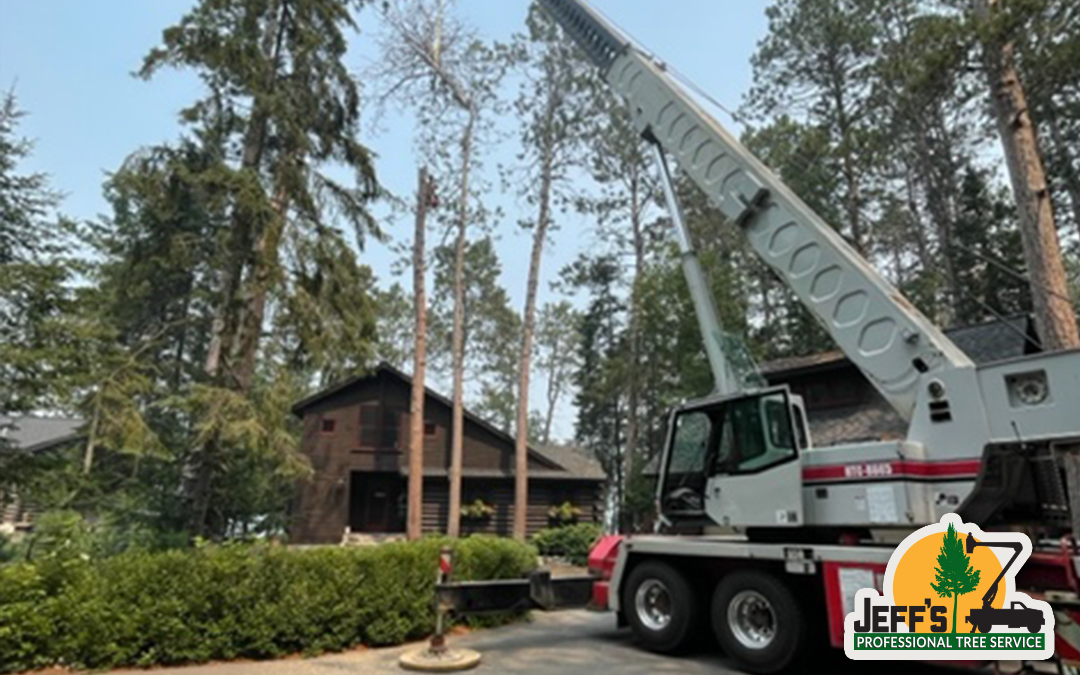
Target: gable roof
33	434
558	459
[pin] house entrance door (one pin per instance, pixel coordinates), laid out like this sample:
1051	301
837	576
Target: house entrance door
375	502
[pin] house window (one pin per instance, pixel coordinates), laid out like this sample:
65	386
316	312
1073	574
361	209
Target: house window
327	425
430	429
370	427
391	430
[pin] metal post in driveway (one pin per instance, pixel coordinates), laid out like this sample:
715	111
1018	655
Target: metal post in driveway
437	657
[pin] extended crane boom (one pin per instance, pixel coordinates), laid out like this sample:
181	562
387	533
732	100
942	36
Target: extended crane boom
766	522
879	330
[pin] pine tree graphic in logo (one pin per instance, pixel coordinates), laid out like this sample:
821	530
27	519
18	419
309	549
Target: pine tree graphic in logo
955	575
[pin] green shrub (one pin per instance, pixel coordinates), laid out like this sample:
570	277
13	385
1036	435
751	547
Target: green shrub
222	602
571	542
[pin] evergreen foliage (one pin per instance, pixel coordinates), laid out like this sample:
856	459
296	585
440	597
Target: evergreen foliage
954	576
238	601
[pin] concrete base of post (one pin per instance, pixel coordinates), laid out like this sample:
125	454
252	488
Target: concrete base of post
443	660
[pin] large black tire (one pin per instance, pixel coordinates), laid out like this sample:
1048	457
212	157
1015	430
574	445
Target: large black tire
671	597
767	607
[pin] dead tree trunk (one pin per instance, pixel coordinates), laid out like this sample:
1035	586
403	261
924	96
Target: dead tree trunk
521	446
555	377
457	442
633	398
1054	313
415	525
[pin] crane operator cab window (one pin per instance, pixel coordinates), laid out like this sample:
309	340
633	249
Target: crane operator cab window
737	436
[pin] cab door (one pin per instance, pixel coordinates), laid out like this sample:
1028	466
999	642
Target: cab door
756	476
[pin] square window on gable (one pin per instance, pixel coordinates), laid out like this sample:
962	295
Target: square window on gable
328	425
430	429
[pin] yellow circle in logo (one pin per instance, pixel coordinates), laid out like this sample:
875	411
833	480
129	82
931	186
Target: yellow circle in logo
916	571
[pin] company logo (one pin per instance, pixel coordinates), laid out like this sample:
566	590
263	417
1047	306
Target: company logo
950	594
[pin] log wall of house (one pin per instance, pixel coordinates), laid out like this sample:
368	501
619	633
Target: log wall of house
499	493
321	510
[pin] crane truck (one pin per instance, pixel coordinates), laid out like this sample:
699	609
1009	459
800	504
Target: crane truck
764	537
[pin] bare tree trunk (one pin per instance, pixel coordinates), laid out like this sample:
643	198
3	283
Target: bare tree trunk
521	446
554	390
91	434
263	270
1054	313
453	526
415	525
634	380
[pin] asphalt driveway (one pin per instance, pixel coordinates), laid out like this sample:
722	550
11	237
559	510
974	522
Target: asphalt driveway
562	643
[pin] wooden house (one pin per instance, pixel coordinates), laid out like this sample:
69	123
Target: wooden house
356	436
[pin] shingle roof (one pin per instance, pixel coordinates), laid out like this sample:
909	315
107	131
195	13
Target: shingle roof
33	433
995	340
870	421
791	363
573	460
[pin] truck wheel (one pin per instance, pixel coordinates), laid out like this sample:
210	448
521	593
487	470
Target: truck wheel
757	621
661	609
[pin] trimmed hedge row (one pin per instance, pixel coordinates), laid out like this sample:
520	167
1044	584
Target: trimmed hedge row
142	609
571	541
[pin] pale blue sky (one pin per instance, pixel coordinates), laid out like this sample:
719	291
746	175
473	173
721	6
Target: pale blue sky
70	62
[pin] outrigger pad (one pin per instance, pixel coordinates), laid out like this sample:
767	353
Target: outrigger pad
439	661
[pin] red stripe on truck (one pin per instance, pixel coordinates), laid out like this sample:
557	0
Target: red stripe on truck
891	470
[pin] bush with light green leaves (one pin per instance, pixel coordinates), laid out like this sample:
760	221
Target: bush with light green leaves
571	542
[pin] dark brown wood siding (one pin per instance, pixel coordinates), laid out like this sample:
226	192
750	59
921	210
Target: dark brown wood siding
331	440
499	493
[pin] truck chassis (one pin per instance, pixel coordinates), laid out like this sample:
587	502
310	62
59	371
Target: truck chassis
764	602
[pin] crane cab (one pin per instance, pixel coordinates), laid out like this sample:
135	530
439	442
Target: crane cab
733	461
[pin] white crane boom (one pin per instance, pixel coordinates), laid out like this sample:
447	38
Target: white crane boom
878	329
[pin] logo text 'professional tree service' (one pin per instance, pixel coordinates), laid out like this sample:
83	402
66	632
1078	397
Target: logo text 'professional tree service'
950	594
